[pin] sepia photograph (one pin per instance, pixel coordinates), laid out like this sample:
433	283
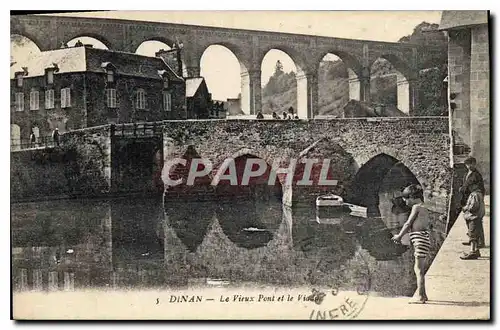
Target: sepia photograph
250	165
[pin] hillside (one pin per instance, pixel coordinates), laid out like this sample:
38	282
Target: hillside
280	92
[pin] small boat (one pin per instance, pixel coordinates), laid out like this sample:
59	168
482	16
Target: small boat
329	200
335	206
253	229
357	211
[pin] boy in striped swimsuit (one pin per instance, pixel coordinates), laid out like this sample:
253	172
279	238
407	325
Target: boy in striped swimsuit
418	226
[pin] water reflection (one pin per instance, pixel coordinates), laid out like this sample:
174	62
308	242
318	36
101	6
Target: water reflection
118	243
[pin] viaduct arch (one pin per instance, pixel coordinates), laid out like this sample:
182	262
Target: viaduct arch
249	46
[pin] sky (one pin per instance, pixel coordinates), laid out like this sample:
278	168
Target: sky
389	26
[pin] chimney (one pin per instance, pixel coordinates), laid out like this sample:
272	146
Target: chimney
173	58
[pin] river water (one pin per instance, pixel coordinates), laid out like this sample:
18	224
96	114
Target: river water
145	243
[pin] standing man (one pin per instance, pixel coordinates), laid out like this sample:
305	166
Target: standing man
55	136
32	140
473	179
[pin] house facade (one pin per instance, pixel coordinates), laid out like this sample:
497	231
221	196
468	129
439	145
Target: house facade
79	87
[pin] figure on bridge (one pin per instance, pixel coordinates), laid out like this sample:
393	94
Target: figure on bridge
32	140
55	136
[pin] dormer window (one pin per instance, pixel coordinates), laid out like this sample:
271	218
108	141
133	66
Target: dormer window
50	77
110	70
49	73
164	77
19	79
110	76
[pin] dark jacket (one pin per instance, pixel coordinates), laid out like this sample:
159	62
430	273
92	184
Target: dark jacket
471	178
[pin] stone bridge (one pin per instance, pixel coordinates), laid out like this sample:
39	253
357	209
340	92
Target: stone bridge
357	148
249	47
369	158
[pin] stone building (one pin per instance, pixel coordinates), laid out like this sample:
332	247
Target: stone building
469	84
198	99
80	87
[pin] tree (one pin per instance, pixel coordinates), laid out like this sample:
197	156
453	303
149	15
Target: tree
278	69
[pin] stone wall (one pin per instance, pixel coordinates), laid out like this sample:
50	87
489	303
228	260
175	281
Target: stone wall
459	45
480	100
421	144
80	166
38	173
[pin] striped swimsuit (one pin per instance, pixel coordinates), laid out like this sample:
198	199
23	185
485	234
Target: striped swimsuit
421	241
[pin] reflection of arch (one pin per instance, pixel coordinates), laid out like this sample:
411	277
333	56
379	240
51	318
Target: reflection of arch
328	245
190	221
365	188
252	230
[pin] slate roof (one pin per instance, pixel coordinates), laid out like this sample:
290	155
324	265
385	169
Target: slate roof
451	19
192	85
87	59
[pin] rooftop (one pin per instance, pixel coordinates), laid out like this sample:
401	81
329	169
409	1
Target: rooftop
88	59
192	85
452	19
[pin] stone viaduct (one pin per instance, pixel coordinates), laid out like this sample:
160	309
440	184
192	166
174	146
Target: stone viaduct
250	47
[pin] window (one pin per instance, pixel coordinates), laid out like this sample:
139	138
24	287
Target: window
111	97
19	101
49	99
34	100
140	100
167	101
50	76
19	80
166	83
111	76
65	97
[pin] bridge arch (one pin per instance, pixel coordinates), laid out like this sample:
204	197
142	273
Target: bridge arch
279	191
155	39
22	48
22	37
392	68
96	40
382	175
339	80
234	70
298	77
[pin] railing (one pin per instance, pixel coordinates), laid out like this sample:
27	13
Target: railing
137	129
41	142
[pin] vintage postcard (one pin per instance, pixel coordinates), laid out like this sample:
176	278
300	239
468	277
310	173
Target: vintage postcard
322	165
